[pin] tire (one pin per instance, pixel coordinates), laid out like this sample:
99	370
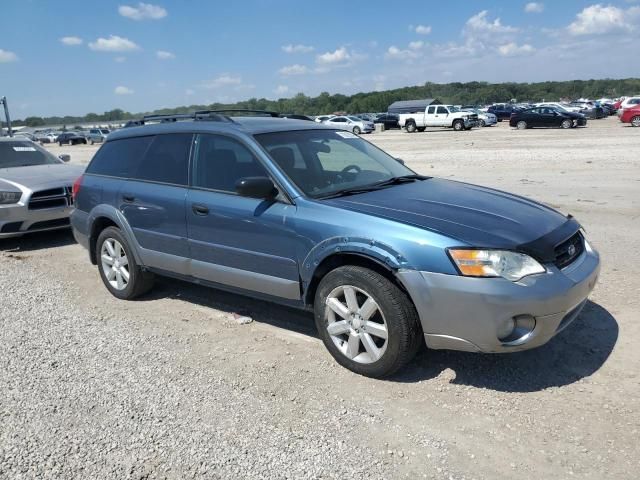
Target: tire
352	342
60	143
482	123
458	125
356	130
92	142
411	127
635	121
566	123
421	129
138	283
521	125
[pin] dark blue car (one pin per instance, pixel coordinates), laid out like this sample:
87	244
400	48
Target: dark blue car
318	218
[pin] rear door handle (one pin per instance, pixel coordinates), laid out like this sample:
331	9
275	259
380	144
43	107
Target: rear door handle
128	198
201	210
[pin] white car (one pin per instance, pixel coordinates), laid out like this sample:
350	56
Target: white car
323	118
564	107
485	119
352	124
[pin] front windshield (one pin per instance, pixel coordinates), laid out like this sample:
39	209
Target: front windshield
324	162
24	154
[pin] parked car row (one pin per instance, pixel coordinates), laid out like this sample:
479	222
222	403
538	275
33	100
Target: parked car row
70	137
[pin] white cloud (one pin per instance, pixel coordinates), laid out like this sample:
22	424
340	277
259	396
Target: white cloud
120	59
113	44
479	23
534	7
122	90
144	11
341	55
281	89
164	55
293	70
598	19
416	45
297	48
512	49
422	29
224	80
7	56
71	41
395	53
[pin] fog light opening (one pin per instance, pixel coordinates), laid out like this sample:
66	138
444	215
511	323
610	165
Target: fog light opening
522	326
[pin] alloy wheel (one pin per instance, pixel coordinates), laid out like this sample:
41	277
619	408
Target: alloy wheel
356	324
115	263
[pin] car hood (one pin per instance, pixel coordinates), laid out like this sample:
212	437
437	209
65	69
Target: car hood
472	214
41	176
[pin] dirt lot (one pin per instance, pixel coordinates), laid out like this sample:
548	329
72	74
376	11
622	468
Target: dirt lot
171	386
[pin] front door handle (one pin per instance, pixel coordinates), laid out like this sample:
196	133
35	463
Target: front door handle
201	210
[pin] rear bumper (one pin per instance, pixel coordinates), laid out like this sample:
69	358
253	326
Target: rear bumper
18	220
463	313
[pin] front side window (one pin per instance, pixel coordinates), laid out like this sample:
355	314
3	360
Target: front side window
219	162
166	159
323	162
442	110
339	119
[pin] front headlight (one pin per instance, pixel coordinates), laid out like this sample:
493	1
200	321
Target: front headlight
495	263
7	198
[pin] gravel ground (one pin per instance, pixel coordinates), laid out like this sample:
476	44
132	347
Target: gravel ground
173	386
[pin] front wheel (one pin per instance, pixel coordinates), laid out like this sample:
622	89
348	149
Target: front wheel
458	125
366	322
566	124
119	271
482	123
521	125
356	130
635	121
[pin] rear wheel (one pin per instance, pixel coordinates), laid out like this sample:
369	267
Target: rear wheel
521	125
635	121
411	127
366	322
458	125
566	123
118	269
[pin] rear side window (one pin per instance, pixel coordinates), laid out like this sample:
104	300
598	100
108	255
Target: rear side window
431	110
119	158
166	160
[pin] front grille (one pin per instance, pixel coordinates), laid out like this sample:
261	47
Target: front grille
52	198
569	250
58	222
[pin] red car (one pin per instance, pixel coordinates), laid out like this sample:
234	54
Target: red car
631	115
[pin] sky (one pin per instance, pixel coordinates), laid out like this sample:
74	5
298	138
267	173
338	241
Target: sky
73	57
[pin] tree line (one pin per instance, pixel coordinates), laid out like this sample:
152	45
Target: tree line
455	93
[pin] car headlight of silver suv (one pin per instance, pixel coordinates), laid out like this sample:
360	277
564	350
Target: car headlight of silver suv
7	198
494	263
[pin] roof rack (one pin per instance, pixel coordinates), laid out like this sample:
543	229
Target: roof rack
240	110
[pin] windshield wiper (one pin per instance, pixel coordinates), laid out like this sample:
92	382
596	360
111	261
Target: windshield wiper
374	186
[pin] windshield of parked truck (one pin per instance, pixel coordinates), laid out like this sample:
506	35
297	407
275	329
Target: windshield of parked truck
24	154
323	162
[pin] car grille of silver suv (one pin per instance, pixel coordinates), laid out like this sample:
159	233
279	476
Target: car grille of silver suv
51	198
569	250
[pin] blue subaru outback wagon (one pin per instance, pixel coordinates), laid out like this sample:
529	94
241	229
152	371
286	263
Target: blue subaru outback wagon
310	216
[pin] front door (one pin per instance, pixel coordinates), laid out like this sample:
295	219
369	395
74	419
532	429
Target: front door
233	240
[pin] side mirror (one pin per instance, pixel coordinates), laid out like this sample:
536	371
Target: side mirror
400	161
65	157
256	187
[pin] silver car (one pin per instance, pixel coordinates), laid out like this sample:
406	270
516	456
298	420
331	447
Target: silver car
352	124
35	188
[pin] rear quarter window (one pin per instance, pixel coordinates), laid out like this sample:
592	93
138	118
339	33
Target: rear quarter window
119	158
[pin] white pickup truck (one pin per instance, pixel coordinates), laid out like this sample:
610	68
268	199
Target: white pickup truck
438	116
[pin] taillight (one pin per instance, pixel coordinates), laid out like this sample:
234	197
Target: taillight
76	188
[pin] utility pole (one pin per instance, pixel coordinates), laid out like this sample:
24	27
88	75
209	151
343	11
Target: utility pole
3	101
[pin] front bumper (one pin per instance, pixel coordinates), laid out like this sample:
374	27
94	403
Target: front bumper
16	220
464	313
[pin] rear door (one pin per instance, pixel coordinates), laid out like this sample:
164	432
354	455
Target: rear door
153	200
233	240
